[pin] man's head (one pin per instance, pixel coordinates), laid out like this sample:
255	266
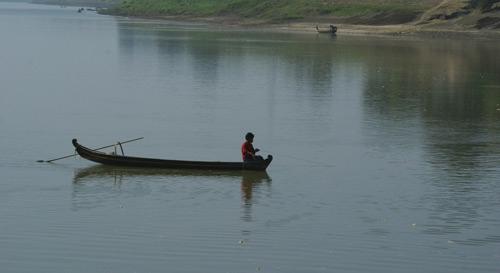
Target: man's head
249	136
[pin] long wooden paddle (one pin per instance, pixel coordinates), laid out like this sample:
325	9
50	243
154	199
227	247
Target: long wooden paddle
123	142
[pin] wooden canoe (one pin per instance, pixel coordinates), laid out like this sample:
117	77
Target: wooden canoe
129	161
332	29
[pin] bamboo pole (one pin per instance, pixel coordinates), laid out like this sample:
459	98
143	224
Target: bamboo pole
104	147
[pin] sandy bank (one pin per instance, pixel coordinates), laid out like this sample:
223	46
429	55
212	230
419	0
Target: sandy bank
473	25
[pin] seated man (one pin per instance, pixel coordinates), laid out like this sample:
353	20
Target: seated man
247	150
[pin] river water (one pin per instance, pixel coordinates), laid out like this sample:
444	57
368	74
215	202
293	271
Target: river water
386	149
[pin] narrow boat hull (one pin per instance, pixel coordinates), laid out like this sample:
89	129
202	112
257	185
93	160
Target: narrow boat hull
129	161
332	29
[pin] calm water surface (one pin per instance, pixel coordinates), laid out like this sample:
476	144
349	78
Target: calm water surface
387	149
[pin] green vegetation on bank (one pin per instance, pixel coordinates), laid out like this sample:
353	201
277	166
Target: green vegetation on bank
274	10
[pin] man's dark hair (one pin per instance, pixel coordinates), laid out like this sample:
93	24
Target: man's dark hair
249	136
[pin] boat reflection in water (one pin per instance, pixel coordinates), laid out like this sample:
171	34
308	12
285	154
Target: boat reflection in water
251	182
97	185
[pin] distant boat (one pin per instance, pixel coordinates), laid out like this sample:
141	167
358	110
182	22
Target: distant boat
129	161
332	29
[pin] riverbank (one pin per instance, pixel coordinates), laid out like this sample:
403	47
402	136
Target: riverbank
447	19
480	26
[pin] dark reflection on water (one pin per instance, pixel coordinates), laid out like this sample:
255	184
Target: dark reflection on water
119	173
92	186
251	184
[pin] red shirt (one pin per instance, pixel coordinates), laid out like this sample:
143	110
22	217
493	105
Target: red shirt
245	148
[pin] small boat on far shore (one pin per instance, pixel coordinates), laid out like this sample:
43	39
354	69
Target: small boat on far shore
332	29
129	161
